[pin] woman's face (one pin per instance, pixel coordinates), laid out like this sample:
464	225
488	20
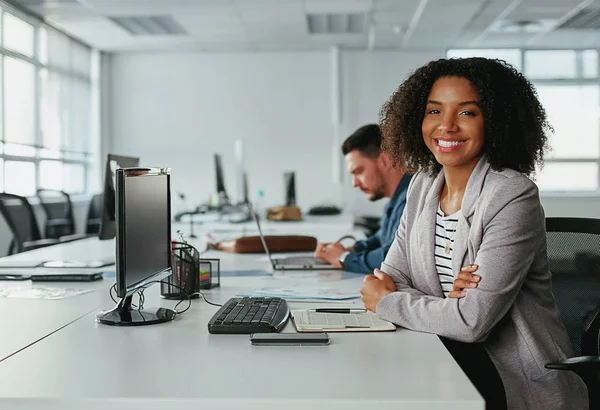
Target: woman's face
453	123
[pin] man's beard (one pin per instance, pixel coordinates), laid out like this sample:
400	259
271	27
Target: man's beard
376	196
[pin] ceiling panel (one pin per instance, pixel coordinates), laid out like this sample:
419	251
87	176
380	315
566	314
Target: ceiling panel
281	24
270	12
150	7
440	29
338	6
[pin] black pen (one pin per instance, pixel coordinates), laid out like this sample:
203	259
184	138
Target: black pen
339	310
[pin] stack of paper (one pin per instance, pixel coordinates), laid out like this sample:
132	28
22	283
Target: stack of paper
302	293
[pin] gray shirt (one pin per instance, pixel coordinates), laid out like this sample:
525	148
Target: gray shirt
501	227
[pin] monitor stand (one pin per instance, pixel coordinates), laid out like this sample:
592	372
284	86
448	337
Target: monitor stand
124	315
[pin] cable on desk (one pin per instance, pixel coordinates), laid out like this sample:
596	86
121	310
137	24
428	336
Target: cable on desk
142	298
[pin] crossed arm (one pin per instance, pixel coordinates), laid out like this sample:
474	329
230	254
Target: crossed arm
509	245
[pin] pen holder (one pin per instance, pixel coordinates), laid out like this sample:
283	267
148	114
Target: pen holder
209	273
185	279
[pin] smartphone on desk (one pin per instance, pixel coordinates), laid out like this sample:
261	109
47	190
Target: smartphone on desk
289	339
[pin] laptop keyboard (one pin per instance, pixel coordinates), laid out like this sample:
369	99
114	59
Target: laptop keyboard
303	260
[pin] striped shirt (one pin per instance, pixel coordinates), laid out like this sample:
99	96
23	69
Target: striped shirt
445	230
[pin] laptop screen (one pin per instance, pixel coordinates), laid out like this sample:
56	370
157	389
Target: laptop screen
260	233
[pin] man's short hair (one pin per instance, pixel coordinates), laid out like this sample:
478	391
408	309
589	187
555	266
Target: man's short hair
366	139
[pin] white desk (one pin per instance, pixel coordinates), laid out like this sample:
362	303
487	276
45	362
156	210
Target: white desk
179	365
26	321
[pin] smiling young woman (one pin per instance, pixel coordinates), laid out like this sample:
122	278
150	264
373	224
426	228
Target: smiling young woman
473	130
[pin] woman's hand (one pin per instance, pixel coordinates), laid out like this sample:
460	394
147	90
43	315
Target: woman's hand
376	287
464	280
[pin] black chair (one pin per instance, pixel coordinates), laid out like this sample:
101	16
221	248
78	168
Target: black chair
59	213
94	215
369	224
22	223
574	259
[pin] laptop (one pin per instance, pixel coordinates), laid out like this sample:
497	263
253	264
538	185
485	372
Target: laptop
293	262
70	275
78	264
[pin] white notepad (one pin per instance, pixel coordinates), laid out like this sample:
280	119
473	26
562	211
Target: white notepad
311	321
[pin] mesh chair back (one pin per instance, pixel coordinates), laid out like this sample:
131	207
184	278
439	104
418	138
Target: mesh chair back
94	216
20	218
574	260
56	204
59	212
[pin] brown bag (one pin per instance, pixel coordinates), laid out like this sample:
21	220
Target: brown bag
276	243
284	213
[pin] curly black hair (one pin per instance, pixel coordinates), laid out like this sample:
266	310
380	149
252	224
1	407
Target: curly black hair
515	125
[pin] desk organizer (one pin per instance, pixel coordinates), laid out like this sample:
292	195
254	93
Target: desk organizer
185	280
210	273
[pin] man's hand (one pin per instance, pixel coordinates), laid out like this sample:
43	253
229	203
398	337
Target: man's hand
320	248
330	253
464	280
376	287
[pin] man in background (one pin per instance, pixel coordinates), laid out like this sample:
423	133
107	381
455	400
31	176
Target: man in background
373	173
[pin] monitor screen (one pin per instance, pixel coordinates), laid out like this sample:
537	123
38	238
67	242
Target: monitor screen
220	179
290	188
143	227
113	162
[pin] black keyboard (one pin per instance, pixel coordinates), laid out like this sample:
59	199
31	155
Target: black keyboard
250	315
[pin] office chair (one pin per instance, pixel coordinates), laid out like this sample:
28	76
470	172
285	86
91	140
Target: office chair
574	260
94	215
22	223
59	213
370	224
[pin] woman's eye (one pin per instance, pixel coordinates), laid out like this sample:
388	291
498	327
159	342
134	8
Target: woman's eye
467	113
433	111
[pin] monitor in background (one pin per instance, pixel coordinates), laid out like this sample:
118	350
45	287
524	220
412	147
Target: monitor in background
143	222
290	188
113	162
245	197
220	181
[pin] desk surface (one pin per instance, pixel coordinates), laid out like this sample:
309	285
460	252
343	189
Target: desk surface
180	365
26	321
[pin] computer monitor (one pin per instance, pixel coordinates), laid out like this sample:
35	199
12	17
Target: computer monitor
245	196
113	162
143	245
290	188
220	181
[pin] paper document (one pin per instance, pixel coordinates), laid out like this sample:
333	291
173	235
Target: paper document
40	293
299	293
311	321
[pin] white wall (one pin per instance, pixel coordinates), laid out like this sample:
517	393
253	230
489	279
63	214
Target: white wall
176	109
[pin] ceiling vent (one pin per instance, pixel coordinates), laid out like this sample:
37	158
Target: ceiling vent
149	25
336	23
586	19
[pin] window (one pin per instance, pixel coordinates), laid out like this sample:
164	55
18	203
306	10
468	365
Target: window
46	134
568	87
19	101
18	35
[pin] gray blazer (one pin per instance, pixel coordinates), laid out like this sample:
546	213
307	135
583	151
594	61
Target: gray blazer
501	228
